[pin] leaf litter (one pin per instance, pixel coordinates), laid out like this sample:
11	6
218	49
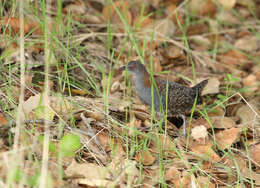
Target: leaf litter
121	145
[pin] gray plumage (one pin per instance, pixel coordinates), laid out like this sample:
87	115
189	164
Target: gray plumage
180	98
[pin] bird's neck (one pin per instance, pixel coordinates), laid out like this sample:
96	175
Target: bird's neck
142	81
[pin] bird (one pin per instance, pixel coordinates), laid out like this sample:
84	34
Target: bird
177	98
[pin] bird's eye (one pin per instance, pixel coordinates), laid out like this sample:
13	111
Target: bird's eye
134	66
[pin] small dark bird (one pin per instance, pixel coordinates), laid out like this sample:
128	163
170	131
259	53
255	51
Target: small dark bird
180	99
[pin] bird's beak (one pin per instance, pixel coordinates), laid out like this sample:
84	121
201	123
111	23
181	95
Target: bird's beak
123	68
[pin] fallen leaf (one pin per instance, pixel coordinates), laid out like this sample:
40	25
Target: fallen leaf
109	12
157	66
233	57
250	82
247	116
247	43
255	153
173	52
174	14
145	157
222	122
98	116
227	16
14	24
199	132
227	137
204	182
115	87
183	180
217	111
75	9
89	174
203	7
212	87
123	171
199	122
172	173
227	4
133	125
3	120
201	43
159	29
205	151
163	143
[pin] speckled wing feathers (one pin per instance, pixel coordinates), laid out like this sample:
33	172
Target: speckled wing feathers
180	98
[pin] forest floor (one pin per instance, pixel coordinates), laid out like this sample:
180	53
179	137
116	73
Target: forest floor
70	118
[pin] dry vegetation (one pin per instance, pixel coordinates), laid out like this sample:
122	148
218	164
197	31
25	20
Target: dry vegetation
70	118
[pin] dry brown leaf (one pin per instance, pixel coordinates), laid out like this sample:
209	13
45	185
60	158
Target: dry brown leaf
247	116
98	116
183	180
157	66
233	57
61	105
201	43
3	120
133	125
222	122
145	157
162	142
173	52
171	10
227	137
90	174
123	170
204	182
255	153
217	111
212	87
250	82
247	43
115	87
141	22
246	3
199	122
172	173
227	4
203	7
105	141
110	13
205	151
199	132
159	29
14	23
227	16
75	9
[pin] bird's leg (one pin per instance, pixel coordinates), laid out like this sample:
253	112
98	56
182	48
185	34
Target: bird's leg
184	125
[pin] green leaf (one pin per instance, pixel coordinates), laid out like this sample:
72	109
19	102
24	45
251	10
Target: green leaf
69	144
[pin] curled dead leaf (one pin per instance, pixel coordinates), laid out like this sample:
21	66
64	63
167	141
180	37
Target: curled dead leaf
145	157
222	122
205	151
227	137
212	87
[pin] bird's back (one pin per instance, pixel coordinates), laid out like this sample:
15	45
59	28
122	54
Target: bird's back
180	98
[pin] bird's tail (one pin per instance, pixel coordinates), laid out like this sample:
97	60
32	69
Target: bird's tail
198	88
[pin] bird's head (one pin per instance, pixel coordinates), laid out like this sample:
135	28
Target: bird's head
135	68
